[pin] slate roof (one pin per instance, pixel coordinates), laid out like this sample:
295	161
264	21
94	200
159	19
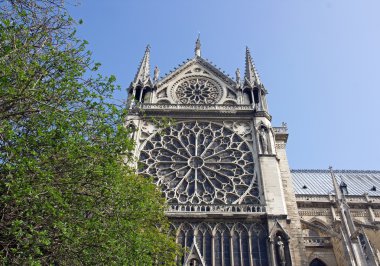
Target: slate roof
319	182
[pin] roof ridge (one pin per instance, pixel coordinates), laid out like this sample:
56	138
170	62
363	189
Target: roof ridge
213	67
173	69
335	171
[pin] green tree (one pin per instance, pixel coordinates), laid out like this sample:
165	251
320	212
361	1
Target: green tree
66	194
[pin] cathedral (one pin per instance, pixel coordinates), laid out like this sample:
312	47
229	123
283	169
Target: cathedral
207	140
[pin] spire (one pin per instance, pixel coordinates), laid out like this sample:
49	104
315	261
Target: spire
251	76
197	49
143	73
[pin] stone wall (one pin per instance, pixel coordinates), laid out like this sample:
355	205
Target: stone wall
293	222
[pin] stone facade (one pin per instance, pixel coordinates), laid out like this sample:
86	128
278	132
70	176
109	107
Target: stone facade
207	141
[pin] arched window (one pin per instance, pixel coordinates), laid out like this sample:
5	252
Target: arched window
185	236
240	245
317	262
222	245
203	240
247	96
172	230
259	247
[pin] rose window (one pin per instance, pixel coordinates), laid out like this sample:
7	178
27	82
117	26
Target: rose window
198	91
200	162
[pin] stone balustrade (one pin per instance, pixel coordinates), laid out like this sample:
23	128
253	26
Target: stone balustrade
317	241
213	208
351	199
282	129
312	198
152	106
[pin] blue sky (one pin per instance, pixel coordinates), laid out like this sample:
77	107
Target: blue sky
319	60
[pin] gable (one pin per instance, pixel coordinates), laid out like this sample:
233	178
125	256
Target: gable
197	82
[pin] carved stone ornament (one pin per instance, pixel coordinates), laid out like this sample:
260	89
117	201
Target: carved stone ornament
280	249
264	139
200	162
198	90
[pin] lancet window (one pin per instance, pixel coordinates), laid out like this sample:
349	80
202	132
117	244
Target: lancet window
226	243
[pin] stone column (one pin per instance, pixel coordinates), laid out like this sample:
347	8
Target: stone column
372	216
333	213
252	97
232	250
250	248
272	252
222	247
141	93
212	250
241	251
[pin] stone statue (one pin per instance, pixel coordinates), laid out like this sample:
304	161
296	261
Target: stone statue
263	138
237	76
131	127
156	74
280	251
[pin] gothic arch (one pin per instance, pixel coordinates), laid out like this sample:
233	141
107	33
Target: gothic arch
238	227
247	96
172	230
203	238
317	262
258	239
240	244
277	230
163	102
222	245
314	232
256	228
220	227
185	235
319	222
203	226
230	102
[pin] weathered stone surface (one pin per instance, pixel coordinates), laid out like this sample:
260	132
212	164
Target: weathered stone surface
224	171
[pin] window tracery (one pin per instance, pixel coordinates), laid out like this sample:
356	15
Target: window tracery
185	235
240	248
203	240
222	245
198	91
200	162
242	243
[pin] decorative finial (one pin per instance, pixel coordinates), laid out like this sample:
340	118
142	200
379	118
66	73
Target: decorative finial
156	74
198	46
237	76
